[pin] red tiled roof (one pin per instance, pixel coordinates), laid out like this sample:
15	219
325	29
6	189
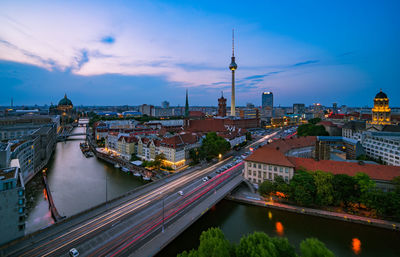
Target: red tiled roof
129	139
209	125
269	155
179	140
375	171
284	145
196	114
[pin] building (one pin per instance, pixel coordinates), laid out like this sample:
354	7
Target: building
249	113
233	67
187	105
267	163
146	109
64	108
165	104
267	100
299	109
354	129
222	106
351	147
381	110
12	203
127	146
384	146
176	149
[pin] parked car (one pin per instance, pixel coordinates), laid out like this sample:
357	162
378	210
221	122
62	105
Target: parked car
180	193
205	179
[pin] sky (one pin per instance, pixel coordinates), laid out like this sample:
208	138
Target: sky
136	52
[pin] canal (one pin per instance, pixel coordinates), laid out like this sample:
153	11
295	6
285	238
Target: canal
78	183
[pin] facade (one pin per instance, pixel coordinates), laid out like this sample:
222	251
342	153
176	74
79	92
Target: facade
222	106
64	108
267	100
354	129
249	113
146	109
382	145
381	110
23	151
127	146
267	163
176	149
12	203
165	104
299	108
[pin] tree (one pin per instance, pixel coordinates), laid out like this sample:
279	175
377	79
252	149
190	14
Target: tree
314	120
311	130
344	188
365	184
213	145
255	245
266	188
324	188
158	160
214	244
283	247
312	247
248	136
303	188
194	155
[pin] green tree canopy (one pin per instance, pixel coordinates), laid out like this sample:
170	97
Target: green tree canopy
344	187
266	187
255	245
213	145
312	247
324	189
303	188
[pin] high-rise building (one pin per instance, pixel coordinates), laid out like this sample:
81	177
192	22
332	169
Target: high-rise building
233	67
267	100
222	106
381	110
299	108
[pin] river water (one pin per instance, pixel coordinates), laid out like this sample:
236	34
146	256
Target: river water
78	183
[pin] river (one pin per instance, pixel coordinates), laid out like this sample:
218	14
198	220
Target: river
78	183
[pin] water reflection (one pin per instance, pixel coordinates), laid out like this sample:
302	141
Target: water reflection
269	215
356	245
279	228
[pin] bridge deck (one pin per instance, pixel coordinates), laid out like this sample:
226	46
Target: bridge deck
161	240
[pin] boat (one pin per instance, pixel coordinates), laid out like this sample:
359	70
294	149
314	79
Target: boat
137	174
146	178
117	166
125	169
84	147
90	154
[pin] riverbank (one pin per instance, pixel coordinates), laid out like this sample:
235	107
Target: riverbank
255	199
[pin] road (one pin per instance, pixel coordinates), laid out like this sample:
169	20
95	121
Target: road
125	227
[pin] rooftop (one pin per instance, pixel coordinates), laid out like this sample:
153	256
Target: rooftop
285	145
375	171
269	155
8	173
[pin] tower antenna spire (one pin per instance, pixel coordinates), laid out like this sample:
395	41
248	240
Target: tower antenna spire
233	42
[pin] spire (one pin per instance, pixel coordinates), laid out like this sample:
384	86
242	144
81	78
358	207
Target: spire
187	104
65	95
222	94
233	42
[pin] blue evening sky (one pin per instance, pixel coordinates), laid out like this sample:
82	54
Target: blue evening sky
135	52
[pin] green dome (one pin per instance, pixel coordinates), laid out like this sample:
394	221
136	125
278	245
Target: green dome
65	101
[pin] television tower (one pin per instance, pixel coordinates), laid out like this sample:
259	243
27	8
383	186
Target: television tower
233	67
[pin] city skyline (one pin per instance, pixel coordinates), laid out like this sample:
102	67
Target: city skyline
133	54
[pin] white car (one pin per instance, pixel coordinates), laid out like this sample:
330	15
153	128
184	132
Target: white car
73	252
205	179
180	193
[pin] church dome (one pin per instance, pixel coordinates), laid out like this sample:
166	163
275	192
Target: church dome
381	95
65	101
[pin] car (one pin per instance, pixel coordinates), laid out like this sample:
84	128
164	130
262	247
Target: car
209	177
205	179
180	193
73	252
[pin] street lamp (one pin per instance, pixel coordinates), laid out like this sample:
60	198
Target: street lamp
106	191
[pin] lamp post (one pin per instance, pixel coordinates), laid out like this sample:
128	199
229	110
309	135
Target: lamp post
106	191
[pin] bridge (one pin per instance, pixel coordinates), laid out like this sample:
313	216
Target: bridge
150	216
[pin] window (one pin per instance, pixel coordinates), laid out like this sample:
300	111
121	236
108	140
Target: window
275	168
280	169
264	167
259	174
269	167
286	170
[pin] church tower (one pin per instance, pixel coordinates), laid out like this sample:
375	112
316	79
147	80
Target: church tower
381	110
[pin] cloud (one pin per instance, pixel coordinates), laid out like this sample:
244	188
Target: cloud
305	63
108	40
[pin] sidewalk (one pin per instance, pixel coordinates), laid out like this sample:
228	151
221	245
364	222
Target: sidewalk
255	199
